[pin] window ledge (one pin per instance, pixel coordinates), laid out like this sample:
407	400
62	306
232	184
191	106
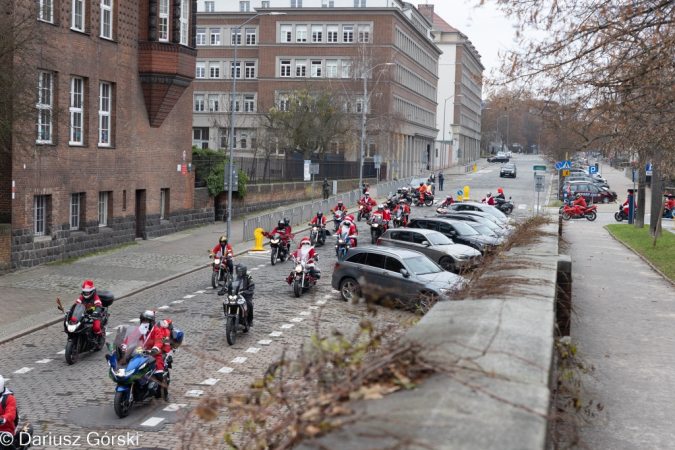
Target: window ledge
76	144
112	147
108	39
45	238
105	229
86	33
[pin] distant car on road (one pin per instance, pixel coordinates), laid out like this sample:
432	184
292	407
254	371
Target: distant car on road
508	170
498	159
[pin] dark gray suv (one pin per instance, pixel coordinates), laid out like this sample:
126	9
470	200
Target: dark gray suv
378	273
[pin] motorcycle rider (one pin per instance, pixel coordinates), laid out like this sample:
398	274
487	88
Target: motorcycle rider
489	199
8	418
402	205
625	206
224	251
421	191
284	231
321	221
245	286
579	205
306	252
93	305
670	204
349	230
367	201
448	201
390	204
340	207
386	215
500	196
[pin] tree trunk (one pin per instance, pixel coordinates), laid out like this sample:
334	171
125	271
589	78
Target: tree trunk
642	182
658	189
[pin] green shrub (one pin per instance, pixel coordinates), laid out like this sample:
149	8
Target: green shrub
214	179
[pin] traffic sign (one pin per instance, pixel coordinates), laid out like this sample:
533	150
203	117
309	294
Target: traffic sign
563	165
460	192
592	169
649	171
539	183
314	169
566	173
235	177
539	167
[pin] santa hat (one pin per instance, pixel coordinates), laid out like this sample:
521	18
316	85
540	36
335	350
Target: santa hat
305	240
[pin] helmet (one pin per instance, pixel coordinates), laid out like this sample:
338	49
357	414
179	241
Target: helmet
149	316
405	189
287	221
88	290
305	241
578	196
241	270
176	338
500	190
380	207
346	222
489	194
223	240
449	197
421	184
281	224
2	384
402	201
340	202
367	193
398	190
319	214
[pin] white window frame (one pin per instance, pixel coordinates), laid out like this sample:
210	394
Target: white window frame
39	215
163	24
238	70
104	116
249	70
201	36
301	64
214	33
301	33
45	119
296	3
282	101
347	34
331	68
75	205
244	6
285	64
214	103
214	70
103	209
359	3
198	103
346	69
364	33
107	13
265	4
251	36
327	3
74	16
184	22
332	34
76	111
249	103
243	139
200	69
286	33
46	13
317	68
235	35
317	34
209	6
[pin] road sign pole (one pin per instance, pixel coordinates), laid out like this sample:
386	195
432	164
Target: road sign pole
312	187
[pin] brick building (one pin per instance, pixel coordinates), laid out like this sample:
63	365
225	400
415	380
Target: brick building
319	44
101	160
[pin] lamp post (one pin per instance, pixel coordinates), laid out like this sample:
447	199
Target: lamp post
234	93
445	103
363	116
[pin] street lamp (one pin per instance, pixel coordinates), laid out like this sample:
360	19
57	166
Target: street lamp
234	93
445	103
363	116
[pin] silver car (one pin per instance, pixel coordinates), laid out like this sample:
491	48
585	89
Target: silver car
438	247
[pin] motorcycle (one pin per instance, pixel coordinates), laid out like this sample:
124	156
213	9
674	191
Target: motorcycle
300	277
338	217
132	369
622	214
588	213
343	244
397	219
504	206
428	199
236	314
377	227
220	271
315	235
364	212
23	437
279	246
77	324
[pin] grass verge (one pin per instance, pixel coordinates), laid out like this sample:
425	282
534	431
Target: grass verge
639	240
102	252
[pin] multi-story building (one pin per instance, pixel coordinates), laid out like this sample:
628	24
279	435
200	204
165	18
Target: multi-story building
318	44
459	93
102	156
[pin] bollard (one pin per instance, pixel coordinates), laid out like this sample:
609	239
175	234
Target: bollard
474	168
466	193
258	233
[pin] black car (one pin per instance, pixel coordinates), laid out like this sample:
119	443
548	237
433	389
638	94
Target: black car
460	232
498	159
508	170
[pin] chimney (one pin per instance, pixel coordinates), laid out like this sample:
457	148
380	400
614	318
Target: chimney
427	11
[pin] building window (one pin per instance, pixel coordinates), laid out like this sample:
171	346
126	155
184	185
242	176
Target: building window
296	3
164	20
250	36
215	37
224	138
359	3
236	103
265	4
40	215
286	32
244	6
249	70
106	18
285	68
104	114
200	137
249	103
47	11
209	6
316	69
164	203
346	69
102	209
214	70
300	68
348	33
78	15
184	21
201	36
44	107
364	33
232	74
243	141
236	37
331	68
283	103
332	33
359	105
199	103
327	3
213	103
317	33
75	205
201	70
76	110
301	33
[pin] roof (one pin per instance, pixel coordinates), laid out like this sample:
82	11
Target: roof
443	26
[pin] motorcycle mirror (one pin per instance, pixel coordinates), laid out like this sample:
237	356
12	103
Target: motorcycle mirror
60	306
110	348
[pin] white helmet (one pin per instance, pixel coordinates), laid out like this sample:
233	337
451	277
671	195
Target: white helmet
2	384
346	222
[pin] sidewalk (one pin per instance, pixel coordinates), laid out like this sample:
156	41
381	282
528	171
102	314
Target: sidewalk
27	296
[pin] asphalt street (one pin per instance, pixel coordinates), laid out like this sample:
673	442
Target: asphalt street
72	401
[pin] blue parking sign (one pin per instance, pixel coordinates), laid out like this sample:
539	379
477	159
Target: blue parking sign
592	169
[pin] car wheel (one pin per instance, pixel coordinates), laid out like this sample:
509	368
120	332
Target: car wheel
605	200
447	263
501	175
349	289
426	300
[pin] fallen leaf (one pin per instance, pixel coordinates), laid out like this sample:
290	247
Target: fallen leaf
312	430
311	414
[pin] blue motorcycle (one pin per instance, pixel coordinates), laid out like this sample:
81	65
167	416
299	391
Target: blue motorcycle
132	369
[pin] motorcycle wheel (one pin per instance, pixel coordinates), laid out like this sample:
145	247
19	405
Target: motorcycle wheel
618	217
122	405
591	216
429	202
509	210
373	237
297	288
214	280
72	351
358	216
231	331
312	240
100	343
274	256
566	216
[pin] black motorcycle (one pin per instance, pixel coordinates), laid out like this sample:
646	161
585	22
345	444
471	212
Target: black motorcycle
315	235
77	324
504	206
300	278
428	199
236	313
397	219
278	247
377	227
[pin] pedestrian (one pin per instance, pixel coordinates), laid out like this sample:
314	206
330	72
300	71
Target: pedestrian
440	181
364	188
326	189
432	178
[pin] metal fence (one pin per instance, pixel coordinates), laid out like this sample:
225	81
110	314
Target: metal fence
261	170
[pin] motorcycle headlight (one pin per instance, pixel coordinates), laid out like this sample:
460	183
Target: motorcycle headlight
216	262
143	366
298	268
375	225
341	241
275	241
233	299
125	373
72	328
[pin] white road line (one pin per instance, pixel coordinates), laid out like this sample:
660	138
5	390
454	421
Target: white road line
107	333
297	319
305	313
210	381
153	422
194	393
321	302
265	342
135	320
262	265
253	350
522	206
200	292
239	360
189	296
313	307
62	352
273	334
43	361
24	370
226	370
255	268
286	326
174	407
163	307
177	301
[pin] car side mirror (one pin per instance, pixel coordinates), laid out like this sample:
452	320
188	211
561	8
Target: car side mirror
405	273
426	243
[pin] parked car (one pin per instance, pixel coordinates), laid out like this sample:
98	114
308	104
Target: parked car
475	206
477	217
596	177
459	232
578	172
508	170
590	192
588	179
392	273
450	256
499	159
486	231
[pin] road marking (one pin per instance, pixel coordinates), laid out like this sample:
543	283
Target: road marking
226	370
210	381
24	370
297	319
253	350
189	296
273	334
321	302
200	292
522	206
265	342
107	333
43	361
177	301
174	407
239	360
287	326
134	320
163	307
62	352
153	422
262	265
194	393
255	268
313	307
305	313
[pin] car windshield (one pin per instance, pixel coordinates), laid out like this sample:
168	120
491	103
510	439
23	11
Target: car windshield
438	239
421	265
482	229
464	229
509	166
488	223
497	213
